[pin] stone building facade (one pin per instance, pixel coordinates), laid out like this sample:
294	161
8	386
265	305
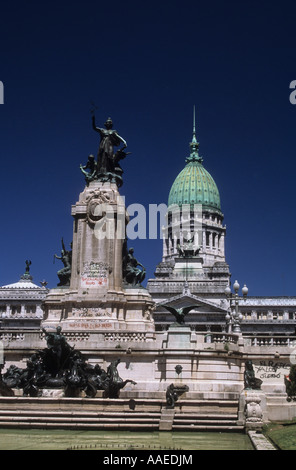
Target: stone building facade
21	304
108	318
194	270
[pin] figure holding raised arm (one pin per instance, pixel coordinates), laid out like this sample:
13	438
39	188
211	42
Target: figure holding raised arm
107	166
66	258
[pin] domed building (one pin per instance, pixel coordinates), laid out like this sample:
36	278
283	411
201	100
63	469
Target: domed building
21	305
108	317
194	210
195	185
194	271
193	262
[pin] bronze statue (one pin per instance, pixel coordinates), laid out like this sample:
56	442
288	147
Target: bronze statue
179	313
171	396
113	381
27	276
61	366
64	274
107	166
251	382
30	387
5	390
28	264
189	250
290	383
117	170
131	273
13	376
75	377
91	165
109	139
178	369
58	348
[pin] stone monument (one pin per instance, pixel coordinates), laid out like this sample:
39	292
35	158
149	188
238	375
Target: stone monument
99	288
61	367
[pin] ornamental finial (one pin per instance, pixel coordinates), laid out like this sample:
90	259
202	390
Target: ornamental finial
194	132
194	145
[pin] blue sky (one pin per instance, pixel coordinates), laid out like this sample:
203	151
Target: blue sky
146	64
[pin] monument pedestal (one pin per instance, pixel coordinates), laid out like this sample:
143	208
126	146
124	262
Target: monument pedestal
97	299
179	337
129	310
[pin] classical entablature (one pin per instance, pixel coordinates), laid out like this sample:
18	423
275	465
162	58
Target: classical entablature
200	304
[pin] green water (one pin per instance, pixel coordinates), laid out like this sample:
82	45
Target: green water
35	439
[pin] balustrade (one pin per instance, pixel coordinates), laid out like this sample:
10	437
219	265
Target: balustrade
260	340
221	338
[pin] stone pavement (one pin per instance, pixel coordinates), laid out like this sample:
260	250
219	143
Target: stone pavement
260	442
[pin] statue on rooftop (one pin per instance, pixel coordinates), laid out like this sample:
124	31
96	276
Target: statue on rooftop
28	264
189	248
27	276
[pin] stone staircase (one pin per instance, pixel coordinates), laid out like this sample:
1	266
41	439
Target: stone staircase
204	415
76	420
78	413
118	414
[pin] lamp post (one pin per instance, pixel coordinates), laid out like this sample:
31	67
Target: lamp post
233	319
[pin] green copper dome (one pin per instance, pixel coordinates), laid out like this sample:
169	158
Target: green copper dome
194	184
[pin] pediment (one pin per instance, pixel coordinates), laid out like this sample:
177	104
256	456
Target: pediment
186	300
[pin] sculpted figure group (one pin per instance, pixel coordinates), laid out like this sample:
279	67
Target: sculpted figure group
61	366
107	167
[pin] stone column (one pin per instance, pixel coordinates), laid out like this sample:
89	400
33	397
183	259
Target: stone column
222	244
97	251
204	240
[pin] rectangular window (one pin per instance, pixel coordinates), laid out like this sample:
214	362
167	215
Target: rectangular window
15	309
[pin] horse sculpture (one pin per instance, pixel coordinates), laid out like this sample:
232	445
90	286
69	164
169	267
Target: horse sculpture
61	366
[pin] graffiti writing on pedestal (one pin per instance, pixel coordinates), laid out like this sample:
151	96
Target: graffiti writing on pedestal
272	369
94	275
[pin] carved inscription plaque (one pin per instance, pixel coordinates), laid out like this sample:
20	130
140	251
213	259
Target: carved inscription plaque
94	274
90	325
90	312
